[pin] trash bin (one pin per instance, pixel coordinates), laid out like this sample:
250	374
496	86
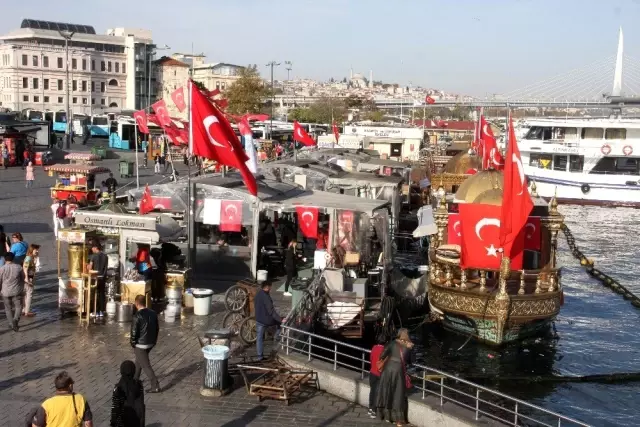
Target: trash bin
202	301
126	169
99	150
216	370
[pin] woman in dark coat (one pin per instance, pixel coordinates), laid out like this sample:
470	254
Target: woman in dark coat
290	260
392	398
127	407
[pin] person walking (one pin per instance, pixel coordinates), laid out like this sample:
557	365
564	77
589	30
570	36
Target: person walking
127	400
290	260
145	147
59	208
11	288
112	184
98	262
65	409
86	133
4	245
266	316
30	175
29	268
374	374
19	248
144	336
392	399
156	166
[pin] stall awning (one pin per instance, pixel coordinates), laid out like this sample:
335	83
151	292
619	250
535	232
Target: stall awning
82	156
84	169
322	199
363	179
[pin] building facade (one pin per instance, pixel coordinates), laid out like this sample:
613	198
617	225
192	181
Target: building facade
99	72
217	75
171	74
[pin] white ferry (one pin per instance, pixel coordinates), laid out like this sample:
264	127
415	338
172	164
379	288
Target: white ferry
590	162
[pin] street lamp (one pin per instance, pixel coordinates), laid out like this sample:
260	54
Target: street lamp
272	64
289	68
67	38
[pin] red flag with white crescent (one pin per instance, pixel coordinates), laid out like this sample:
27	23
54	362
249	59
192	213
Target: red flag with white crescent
533	234
336	133
178	99
308	221
491	157
146	203
301	136
231	215
516	201
430	100
141	120
454	229
162	113
213	137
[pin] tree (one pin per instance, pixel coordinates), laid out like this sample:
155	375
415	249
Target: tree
374	116
200	86
321	111
247	94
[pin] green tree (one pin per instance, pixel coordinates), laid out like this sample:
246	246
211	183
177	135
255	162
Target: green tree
247	94
321	111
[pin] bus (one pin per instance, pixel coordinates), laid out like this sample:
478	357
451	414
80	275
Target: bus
34	115
60	122
100	125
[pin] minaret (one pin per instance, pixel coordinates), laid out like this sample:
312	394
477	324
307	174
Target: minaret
351	73
370	78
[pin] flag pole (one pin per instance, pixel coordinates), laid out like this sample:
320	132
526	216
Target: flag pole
137	162
190	208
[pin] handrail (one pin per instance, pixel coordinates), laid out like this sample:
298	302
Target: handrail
446	387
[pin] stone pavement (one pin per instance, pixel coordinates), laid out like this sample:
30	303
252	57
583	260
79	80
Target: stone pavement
45	345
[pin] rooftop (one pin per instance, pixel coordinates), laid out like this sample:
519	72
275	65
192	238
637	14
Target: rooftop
57	26
171	62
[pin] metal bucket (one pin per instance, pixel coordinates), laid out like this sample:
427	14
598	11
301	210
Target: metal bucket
111	308
124	312
173	294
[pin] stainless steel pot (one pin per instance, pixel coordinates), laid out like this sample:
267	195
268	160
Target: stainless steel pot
124	312
173	293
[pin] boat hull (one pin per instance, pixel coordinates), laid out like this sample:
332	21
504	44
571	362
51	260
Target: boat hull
486	330
596	194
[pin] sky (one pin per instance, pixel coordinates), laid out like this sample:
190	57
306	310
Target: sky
475	47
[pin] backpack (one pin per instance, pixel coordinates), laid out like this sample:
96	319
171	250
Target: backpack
61	212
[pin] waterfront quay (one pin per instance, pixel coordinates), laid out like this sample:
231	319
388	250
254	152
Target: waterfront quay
45	345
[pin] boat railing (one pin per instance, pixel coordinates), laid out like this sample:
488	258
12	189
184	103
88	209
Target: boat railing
434	385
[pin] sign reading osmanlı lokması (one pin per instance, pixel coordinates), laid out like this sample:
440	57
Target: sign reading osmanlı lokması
94	219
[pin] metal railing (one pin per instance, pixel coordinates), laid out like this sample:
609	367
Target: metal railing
430	382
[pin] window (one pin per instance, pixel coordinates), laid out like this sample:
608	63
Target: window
84	64
592	133
576	163
36	98
74	63
124	68
93	65
34	60
103	86
84	101
35	83
626	166
113	82
46	99
102	66
25	98
74	85
24	60
117	64
560	163
84	85
75	100
45	84
93	101
59	62
565	133
25	83
60	84
218	85
615	134
45	61
102	101
109	66
93	86
60	100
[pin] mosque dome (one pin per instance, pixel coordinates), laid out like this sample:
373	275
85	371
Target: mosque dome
473	189
461	163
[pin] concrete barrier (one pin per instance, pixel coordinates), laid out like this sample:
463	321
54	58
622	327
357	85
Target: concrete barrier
349	386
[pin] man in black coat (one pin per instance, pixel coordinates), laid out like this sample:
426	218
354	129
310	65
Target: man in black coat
266	316
144	336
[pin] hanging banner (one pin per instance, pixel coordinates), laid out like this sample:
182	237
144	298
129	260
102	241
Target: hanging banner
308	221
231	215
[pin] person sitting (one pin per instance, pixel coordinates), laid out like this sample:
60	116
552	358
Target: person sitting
266	316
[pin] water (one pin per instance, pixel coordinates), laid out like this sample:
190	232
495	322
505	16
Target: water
595	333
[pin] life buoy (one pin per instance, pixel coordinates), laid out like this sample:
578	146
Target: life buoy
606	149
627	150
585	188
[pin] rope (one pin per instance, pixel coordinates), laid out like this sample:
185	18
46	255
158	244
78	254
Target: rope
605	279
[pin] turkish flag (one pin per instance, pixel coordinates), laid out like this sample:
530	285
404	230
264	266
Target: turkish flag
533	234
221	103
301	136
213	137
430	100
162	114
243	122
146	203
161	202
481	238
454	229
336	133
471	171
212	93
308	221
176	135
491	157
231	215
516	201
141	120
178	98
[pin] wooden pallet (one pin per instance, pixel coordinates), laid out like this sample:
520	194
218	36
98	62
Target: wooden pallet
277	383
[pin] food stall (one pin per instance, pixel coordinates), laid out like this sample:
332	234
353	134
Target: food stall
76	181
82	158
